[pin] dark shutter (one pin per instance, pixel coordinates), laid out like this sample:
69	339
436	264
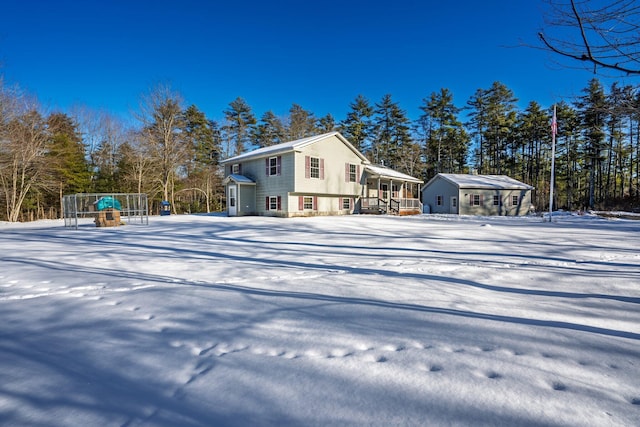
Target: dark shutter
300	203
315	203
266	163
278	165
346	172
279	203
267	204
321	168
307	167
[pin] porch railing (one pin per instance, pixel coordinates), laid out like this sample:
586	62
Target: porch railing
395	206
410	204
373	205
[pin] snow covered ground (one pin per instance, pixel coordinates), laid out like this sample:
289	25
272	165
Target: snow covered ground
359	320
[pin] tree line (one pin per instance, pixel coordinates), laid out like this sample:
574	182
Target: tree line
173	150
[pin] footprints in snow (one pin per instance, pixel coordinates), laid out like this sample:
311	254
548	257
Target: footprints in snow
558	386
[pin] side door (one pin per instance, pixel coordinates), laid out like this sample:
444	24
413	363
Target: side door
232	200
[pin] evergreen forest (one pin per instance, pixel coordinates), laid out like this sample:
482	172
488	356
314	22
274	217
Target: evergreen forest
171	150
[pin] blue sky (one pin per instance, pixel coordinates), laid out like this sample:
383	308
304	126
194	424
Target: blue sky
320	55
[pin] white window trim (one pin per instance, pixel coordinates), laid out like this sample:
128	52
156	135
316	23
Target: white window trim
273	203
353	173
273	166
309	206
314	171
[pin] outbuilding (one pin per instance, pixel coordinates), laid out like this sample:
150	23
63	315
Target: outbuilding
471	194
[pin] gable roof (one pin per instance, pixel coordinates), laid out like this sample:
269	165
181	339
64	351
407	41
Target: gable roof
385	172
502	182
296	145
238	179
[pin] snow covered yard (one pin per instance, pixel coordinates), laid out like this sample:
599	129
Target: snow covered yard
358	320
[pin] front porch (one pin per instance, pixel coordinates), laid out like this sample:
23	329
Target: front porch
390	192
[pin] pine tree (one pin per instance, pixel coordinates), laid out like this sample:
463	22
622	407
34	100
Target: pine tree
326	124
302	123
477	105
270	130
202	179
390	131
66	154
493	118
239	127
201	134
529	157
356	127
501	120
568	165
445	142
593	112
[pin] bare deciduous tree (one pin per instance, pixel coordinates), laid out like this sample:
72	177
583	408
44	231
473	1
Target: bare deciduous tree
600	34
23	145
161	117
137	165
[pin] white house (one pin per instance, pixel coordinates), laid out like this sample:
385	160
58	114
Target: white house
318	175
468	194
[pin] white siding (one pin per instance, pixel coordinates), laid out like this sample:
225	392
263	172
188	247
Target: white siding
335	155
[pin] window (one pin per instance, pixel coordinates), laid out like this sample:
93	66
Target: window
273	165
308	203
475	199
346	203
438	200
496	200
273	203
235	169
313	167
514	200
351	172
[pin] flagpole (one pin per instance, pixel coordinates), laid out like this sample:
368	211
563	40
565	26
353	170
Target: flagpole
554	130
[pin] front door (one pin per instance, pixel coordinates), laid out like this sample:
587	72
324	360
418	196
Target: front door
453	205
232	208
384	189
